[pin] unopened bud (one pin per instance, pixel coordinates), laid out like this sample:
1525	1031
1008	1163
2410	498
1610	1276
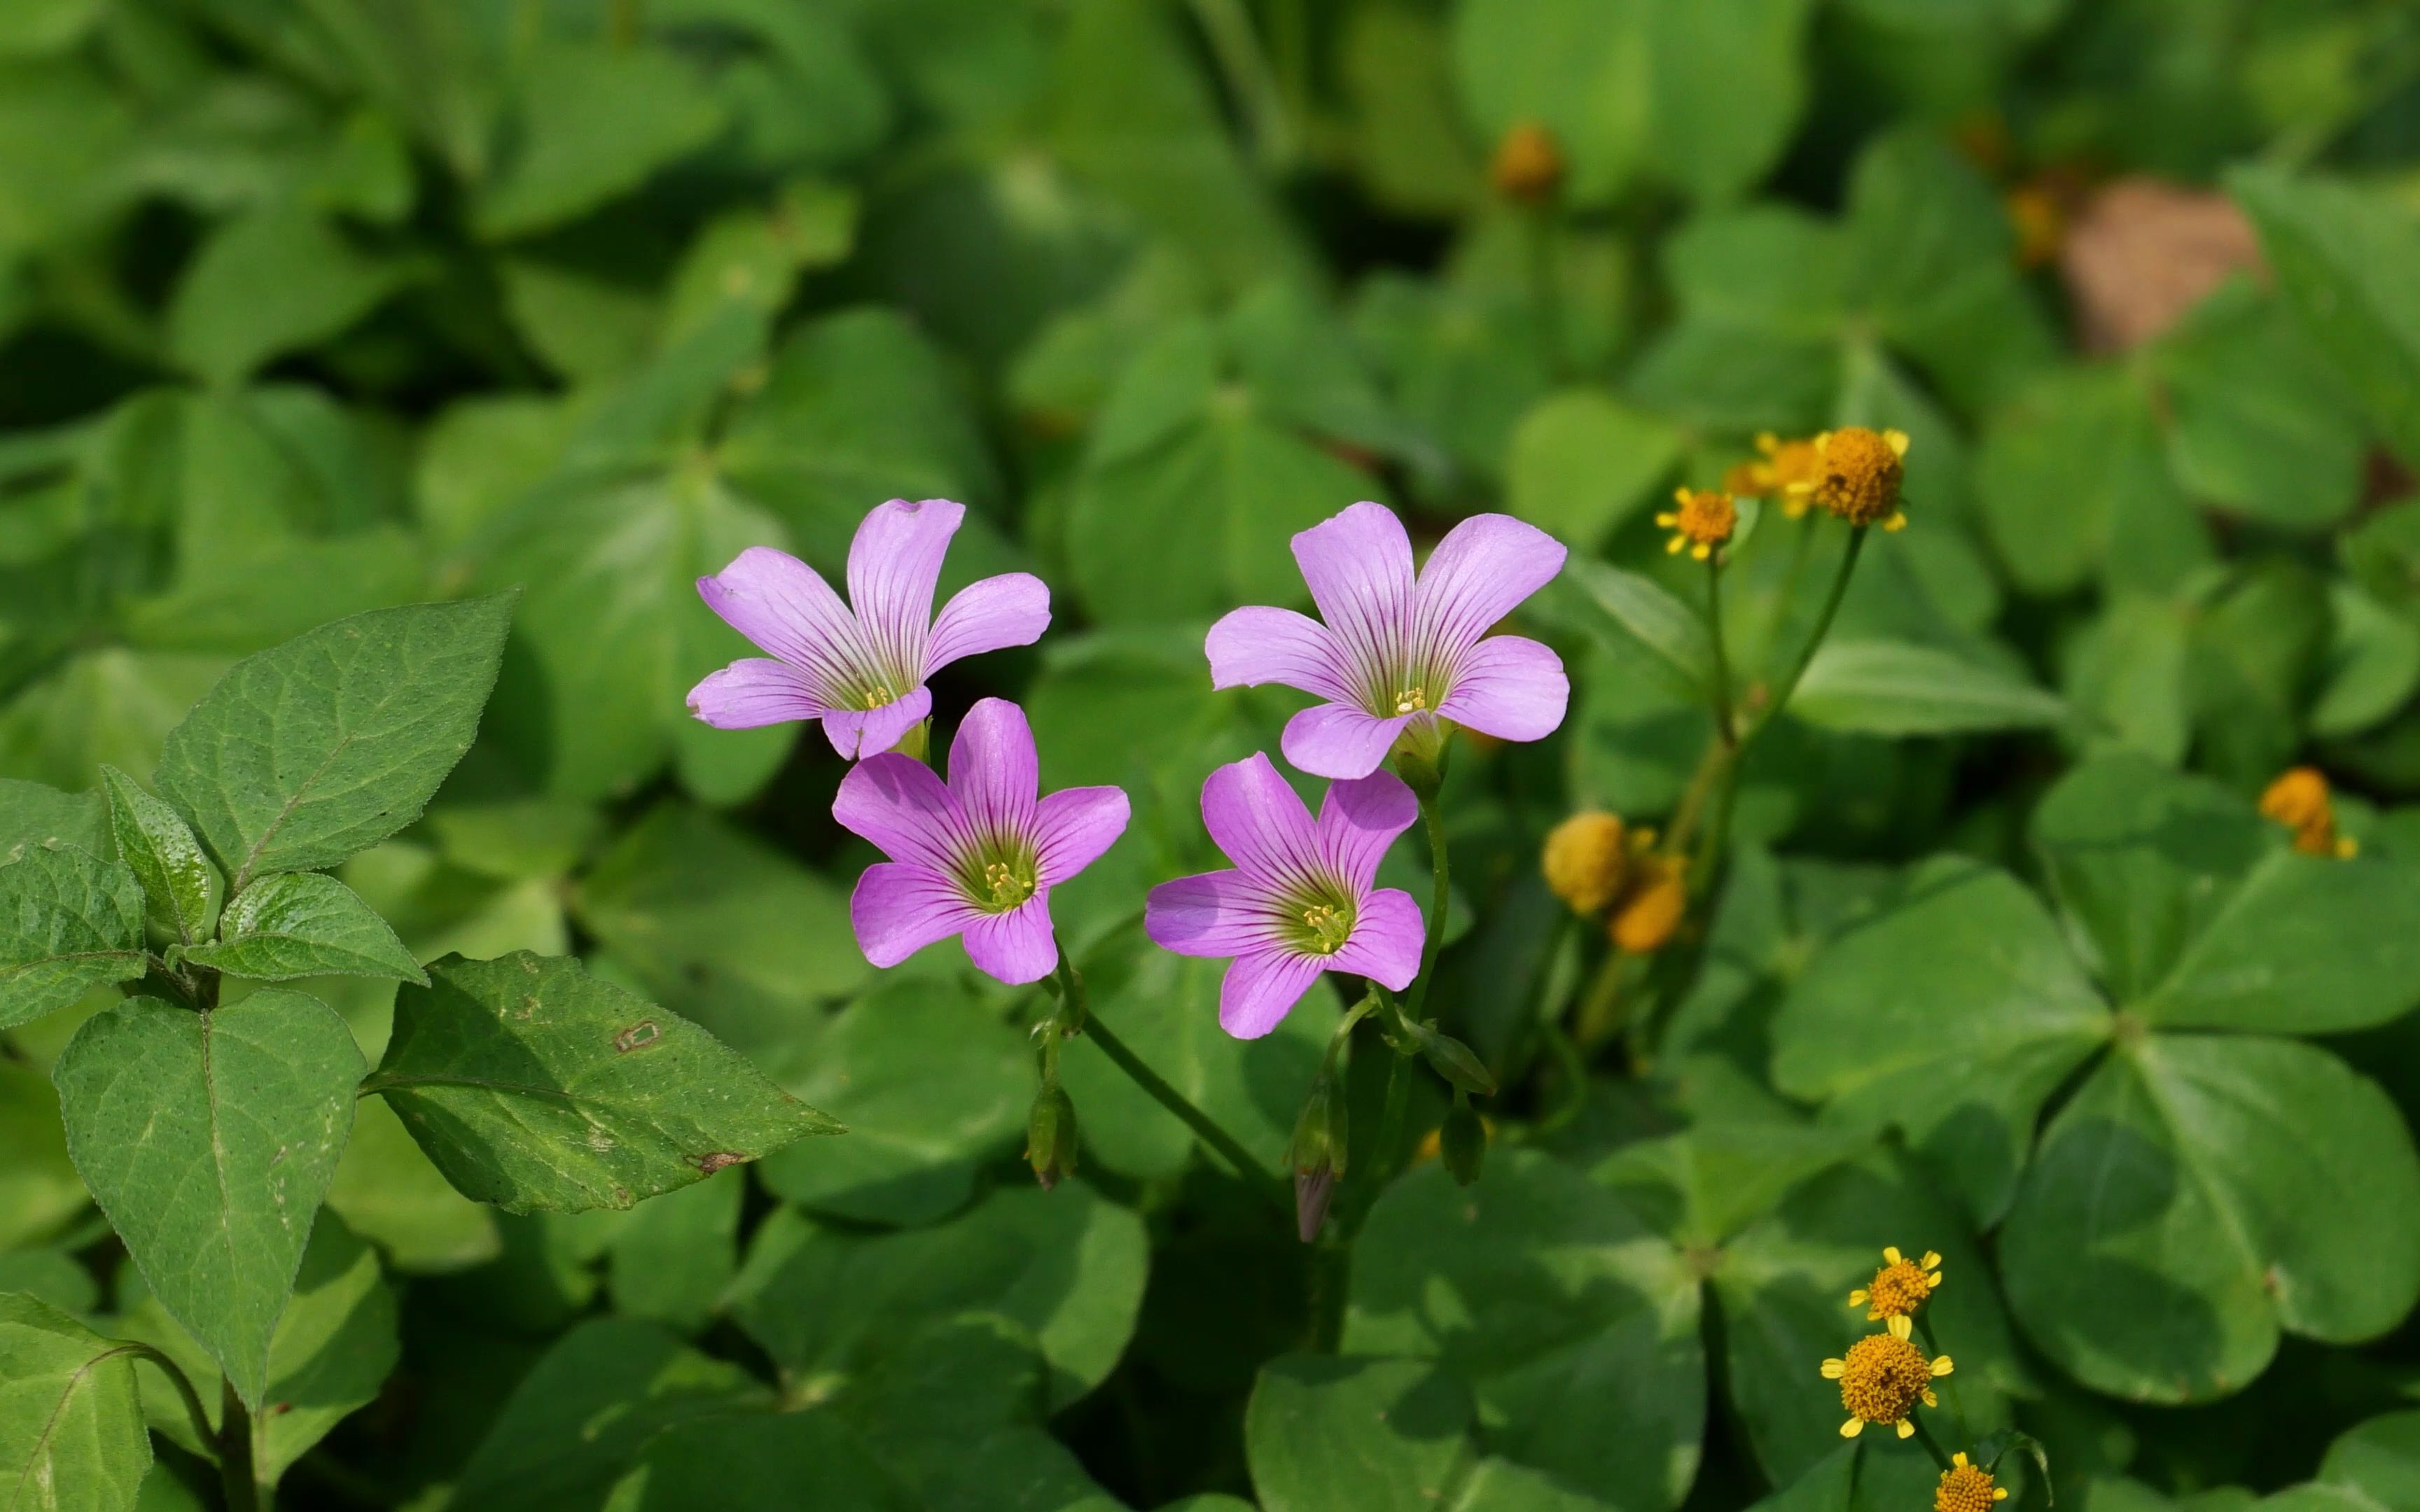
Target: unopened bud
1453	1061
1463	1142
1587	858
1529	166
1050	1136
1318	1155
1649	917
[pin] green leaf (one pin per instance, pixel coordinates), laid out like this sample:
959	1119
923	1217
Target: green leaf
304	924
2074	480
1639	609
40	1190
71	1434
2338	252
1067	1265
307	753
1323	1432
2379	1459
754	257
587	1409
2259	421
69	922
721	926
590	122
2373	664
208	1141
333	1349
1952	1015
269	282
762	1459
387	1192
931	1082
676	1254
536	1086
2198	1194
1897	689
1583	463
34	815
2306	945
1542	1293
177	879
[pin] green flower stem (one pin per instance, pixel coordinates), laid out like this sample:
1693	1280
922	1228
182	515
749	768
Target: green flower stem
237	1481
1789	684
1599	1015
1434	818
1399	1094
1726	713
1078	1013
1924	1436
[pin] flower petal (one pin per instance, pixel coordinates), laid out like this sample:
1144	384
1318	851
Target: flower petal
1387	939
1358	565
787	609
1484	567
898	909
1214	914
898	803
1262	988
752	691
1073	825
1260	822
1511	687
894	564
1359	820
1015	946
993	769
1260	644
858	732
1011	610
1339	741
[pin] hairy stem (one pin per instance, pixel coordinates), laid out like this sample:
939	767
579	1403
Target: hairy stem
177	1377
237	1481
1227	1144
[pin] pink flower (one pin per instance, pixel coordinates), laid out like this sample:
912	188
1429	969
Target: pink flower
860	666
976	857
1398	651
1299	899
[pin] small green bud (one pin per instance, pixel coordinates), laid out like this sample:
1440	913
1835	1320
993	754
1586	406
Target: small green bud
1318	1155
1463	1142
1452	1059
1050	1136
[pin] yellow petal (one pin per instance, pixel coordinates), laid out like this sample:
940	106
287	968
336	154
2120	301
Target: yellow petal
1702	551
1767	442
1959	1459
1898	520
1930	1399
1857	1298
1901	1326
1680	495
1942	1365
1834	1369
1931	1281
1999	1493
1896	440
1667	519
1678	542
1890	1253
1931	1260
1853	1427
1906	1429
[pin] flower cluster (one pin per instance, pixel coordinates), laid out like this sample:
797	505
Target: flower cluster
1854	472
1603	869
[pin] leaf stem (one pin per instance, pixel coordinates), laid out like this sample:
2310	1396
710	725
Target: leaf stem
237	1481
177	1377
1924	1436
1167	1096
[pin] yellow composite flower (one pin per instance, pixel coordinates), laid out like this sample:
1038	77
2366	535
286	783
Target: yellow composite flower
1705	520
1858	475
2300	800
1899	1289
1587	860
1882	1379
1966	1488
1786	469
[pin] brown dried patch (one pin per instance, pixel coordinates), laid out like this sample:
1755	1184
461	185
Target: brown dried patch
2141	252
717	1160
637	1037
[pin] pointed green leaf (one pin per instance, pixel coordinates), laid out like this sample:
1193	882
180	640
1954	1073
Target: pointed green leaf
32	814
68	922
180	881
208	1141
71	1436
1898	688
1324	1432
312	750
2306	945
535	1086
304	924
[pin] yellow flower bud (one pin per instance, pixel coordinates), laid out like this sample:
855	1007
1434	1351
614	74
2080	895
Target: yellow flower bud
1861	470
1529	166
1652	913
2299	799
1586	858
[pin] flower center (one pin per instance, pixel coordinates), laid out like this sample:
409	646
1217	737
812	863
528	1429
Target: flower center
1899	1289
1411	700
1885	1377
1966	1488
879	695
1000	874
1329	926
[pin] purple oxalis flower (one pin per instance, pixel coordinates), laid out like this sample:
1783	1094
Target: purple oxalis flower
859	667
976	857
1299	899
1399	652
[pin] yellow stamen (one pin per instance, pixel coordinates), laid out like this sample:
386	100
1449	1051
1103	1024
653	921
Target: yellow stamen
1882	1379
1411	700
1966	1487
1859	474
1328	926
